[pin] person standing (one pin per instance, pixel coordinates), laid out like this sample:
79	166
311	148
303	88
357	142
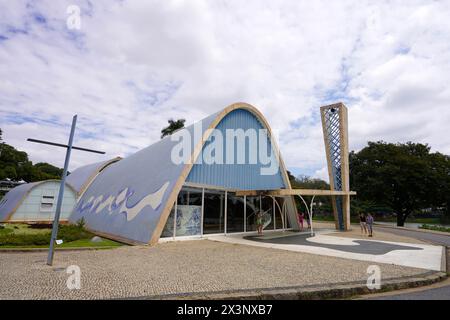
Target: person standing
362	223
300	218
308	221
369	223
259	222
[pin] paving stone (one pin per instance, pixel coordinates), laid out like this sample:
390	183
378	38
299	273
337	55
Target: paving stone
177	268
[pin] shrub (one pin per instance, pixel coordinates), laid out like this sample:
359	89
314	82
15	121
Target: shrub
12	239
435	228
5	231
67	233
81	223
70	233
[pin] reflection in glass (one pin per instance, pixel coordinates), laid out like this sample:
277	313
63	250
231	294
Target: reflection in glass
168	228
252	204
214	211
278	208
189	212
267	208
235	213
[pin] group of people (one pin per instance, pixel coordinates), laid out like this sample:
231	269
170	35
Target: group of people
366	223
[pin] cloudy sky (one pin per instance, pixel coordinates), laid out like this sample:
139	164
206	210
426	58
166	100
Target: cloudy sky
132	65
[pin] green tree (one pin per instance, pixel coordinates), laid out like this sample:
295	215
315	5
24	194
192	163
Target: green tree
290	176
440	173
14	164
49	170
10	172
404	177
305	182
172	127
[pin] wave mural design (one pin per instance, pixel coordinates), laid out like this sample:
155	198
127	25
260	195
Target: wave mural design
118	203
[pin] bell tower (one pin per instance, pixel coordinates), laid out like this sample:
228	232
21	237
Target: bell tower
335	134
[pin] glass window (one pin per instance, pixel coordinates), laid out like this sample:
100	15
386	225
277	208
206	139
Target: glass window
235	213
168	228
288	217
214	212
47	202
278	210
252	204
189	212
267	208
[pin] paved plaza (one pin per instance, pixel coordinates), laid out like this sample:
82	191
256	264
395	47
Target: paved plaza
325	242
176	268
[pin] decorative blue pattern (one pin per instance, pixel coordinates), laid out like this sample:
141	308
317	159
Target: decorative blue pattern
332	129
128	182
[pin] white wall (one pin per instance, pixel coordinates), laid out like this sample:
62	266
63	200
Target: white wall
31	208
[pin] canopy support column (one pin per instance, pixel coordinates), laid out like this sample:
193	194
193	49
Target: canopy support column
310	211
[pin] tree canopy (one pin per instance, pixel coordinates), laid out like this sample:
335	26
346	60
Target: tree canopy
172	127
405	177
15	165
305	182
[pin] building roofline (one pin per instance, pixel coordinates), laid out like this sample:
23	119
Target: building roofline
197	151
34	185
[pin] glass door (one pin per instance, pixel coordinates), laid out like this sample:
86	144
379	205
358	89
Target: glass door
214	212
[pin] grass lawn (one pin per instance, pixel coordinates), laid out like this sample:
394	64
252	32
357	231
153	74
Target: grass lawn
21	228
435	228
22	236
411	220
323	218
378	219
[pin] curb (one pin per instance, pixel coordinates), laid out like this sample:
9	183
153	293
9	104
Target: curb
25	250
332	291
444	260
413	229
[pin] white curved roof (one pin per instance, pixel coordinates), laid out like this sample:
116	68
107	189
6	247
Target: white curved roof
12	200
80	178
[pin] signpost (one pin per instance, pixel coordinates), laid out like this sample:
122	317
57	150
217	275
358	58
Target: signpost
69	148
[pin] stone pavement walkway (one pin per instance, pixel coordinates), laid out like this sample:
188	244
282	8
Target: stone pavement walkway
177	268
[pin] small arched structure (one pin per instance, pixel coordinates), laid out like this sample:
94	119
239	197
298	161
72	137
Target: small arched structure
36	202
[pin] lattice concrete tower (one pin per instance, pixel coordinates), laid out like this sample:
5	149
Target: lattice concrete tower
335	133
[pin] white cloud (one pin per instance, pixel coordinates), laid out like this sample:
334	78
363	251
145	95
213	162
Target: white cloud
322	174
135	64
